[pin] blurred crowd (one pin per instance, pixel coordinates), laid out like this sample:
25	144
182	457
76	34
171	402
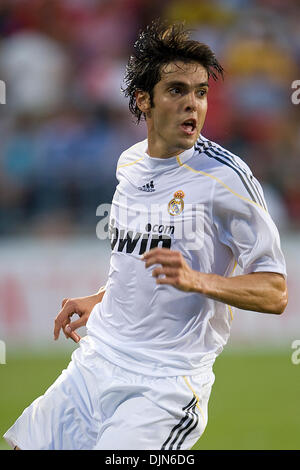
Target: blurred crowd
65	121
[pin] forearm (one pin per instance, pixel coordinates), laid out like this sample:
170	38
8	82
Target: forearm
260	292
99	295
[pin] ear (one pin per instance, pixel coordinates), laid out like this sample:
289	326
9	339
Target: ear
143	101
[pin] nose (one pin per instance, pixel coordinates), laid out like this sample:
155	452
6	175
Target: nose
191	103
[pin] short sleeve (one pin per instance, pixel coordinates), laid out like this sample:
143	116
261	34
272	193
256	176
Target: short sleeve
245	226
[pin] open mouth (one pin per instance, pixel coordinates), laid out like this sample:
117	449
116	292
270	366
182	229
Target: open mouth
189	126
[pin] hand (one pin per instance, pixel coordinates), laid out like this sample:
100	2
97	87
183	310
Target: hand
83	307
173	271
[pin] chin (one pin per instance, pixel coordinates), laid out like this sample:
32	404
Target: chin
187	143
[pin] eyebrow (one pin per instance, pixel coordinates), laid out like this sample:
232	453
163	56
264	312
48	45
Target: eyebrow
178	83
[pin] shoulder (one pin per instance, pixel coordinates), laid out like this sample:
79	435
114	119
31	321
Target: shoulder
131	155
232	175
223	158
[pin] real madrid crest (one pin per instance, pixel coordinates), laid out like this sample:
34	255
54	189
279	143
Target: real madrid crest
176	205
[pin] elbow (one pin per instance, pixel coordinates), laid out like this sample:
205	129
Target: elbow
281	302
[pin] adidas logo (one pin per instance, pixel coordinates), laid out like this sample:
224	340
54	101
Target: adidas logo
149	187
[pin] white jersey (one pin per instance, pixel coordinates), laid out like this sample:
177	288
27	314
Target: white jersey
204	203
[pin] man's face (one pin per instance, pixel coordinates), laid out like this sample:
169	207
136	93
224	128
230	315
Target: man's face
180	105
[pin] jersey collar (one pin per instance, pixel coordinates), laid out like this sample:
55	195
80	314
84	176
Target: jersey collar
171	162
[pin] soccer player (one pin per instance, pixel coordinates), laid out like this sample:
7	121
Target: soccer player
184	214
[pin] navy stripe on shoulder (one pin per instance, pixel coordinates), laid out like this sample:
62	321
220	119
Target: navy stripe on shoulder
228	159
230	156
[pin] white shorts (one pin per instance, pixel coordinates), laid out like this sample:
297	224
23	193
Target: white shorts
95	404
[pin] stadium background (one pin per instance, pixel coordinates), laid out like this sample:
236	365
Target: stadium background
62	129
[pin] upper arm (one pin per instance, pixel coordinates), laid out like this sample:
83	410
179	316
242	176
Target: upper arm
247	228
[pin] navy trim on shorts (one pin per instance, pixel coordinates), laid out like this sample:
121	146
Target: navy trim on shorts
185	426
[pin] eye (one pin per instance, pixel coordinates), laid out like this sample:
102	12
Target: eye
175	91
202	92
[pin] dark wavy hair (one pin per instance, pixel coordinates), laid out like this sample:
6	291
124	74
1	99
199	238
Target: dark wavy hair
158	45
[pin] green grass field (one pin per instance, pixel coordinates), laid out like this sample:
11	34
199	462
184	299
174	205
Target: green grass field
255	401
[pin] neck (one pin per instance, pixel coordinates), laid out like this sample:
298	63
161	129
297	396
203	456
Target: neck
159	150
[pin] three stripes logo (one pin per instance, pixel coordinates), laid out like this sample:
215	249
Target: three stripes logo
149	187
185	426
